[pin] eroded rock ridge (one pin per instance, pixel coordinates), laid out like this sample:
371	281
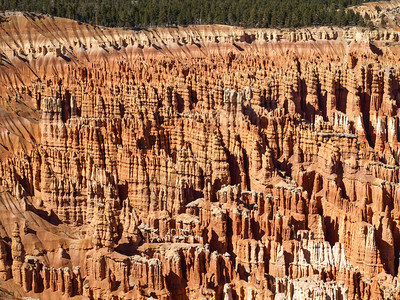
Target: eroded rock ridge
205	162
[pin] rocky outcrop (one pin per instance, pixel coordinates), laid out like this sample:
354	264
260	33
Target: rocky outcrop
205	162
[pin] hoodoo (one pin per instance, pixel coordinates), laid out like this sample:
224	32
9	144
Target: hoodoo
199	162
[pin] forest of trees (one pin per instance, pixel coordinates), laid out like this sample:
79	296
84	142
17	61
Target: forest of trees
248	13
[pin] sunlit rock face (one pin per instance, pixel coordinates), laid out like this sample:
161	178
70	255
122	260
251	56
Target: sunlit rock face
206	162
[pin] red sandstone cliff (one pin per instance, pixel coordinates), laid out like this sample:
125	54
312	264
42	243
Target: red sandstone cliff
205	162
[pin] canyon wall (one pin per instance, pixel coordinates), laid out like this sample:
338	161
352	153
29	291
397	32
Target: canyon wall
205	162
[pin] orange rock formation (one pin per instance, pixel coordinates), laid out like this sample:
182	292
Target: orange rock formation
206	162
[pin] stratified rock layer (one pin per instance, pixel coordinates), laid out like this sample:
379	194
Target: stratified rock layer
206	162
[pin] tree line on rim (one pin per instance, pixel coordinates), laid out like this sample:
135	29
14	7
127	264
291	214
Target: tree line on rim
247	13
